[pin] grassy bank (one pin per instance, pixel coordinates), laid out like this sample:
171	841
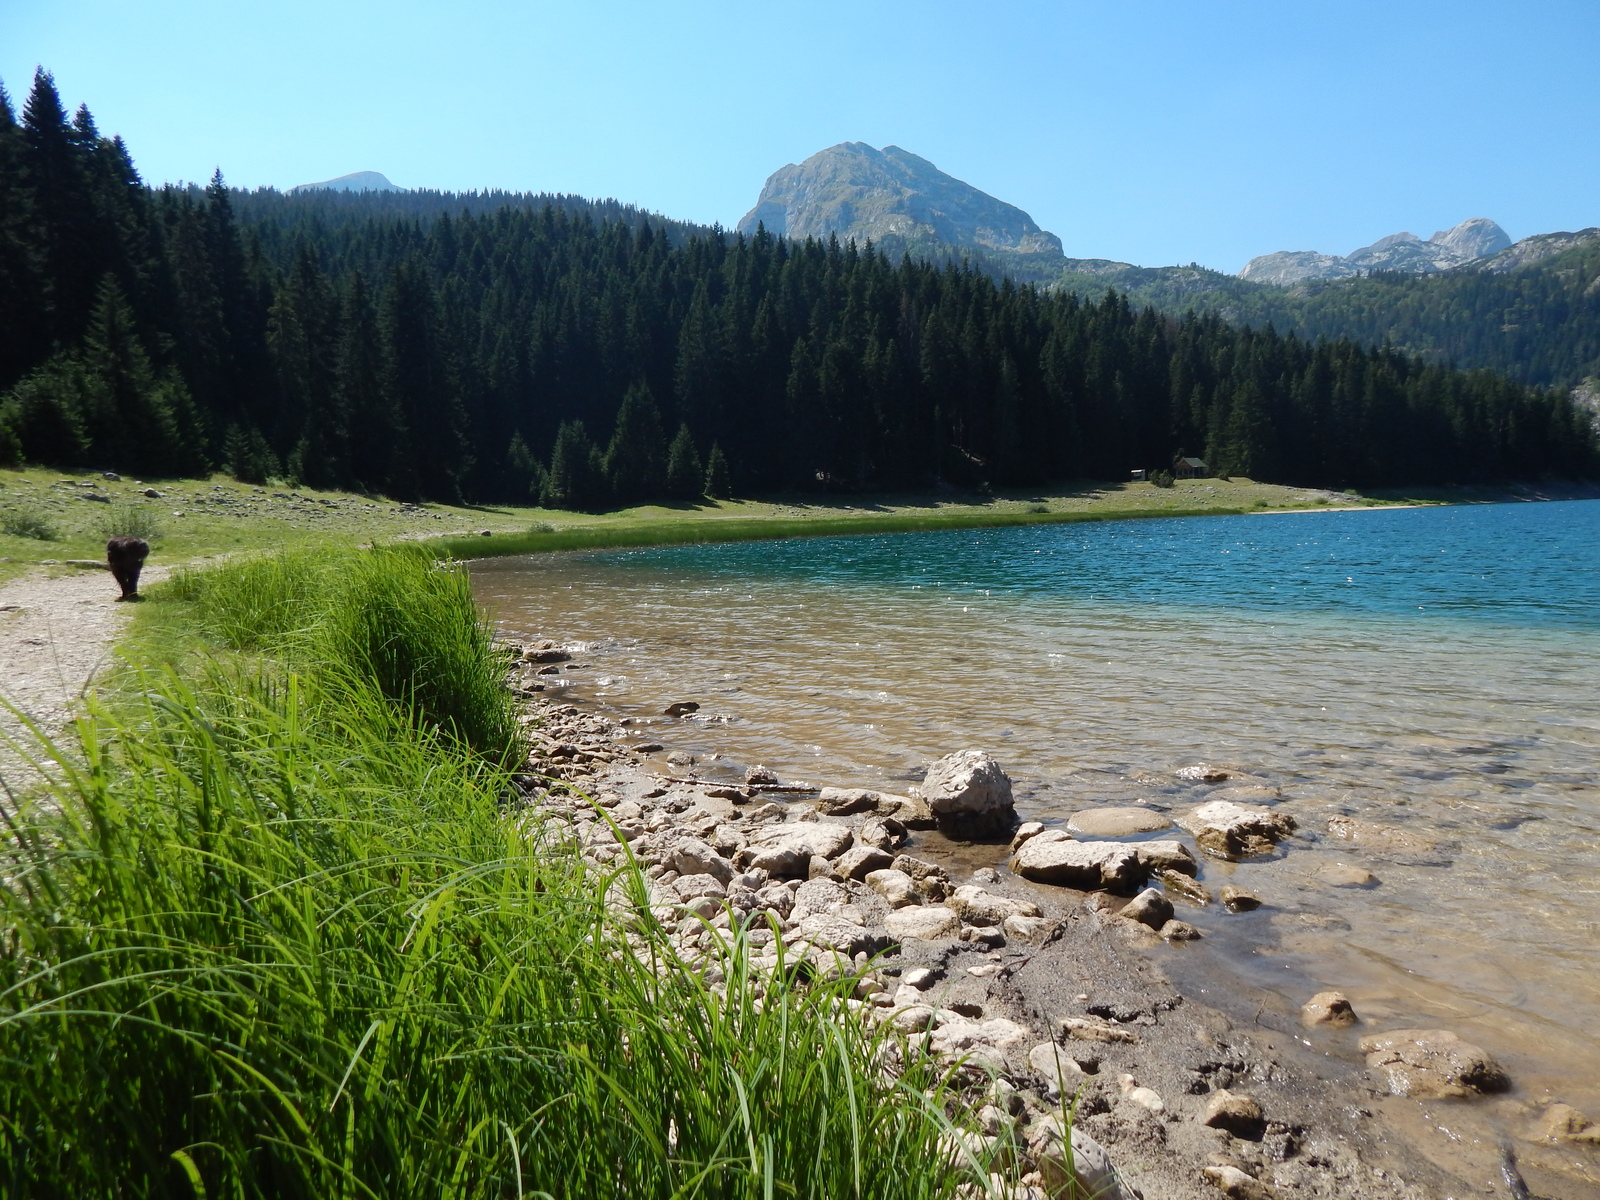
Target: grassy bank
272	929
48	519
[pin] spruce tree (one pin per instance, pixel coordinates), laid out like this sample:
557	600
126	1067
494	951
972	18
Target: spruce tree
719	483
685	475
576	479
635	461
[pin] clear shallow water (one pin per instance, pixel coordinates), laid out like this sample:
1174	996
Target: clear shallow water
1432	669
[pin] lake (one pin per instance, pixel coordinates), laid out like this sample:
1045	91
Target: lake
1434	670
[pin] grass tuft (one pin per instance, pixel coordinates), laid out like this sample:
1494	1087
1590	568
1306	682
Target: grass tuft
268	933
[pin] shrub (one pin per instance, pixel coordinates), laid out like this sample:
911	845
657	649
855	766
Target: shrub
1162	479
28	523
130	520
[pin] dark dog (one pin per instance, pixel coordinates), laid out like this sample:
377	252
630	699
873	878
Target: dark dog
126	554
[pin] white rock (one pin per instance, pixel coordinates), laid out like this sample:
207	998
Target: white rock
894	886
1090	1170
787	850
1085	865
920	978
926	922
968	783
1027	929
691	856
978	907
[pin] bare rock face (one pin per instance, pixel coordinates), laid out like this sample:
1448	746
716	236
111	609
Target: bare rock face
1433	1063
1088	866
1156	857
969	790
1473	239
1234	831
903	203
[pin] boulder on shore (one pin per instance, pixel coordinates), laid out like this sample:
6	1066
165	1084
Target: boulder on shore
968	791
1088	866
786	851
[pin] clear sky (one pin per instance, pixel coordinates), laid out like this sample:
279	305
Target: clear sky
1154	132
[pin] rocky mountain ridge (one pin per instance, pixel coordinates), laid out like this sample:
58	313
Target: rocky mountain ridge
1474	238
903	204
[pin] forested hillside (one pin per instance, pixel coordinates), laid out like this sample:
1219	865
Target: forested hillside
508	352
1538	323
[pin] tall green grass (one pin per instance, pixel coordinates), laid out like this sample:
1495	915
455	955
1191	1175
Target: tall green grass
263	933
395	618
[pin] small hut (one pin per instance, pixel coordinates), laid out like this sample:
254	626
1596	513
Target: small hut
1190	468
1139	476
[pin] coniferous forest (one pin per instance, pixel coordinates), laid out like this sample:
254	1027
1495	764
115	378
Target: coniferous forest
519	349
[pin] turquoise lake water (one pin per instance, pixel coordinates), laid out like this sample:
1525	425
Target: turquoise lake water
1433	670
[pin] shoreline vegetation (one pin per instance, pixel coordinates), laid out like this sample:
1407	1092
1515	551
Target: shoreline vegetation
280	922
60	520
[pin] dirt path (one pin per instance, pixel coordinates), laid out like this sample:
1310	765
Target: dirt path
56	636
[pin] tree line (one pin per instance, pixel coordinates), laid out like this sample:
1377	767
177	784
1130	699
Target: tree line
590	356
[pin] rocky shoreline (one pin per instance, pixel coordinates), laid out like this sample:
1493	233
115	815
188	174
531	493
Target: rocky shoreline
1030	960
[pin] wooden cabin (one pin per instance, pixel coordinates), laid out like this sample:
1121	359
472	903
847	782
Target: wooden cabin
1190	468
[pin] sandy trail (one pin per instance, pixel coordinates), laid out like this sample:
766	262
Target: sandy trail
56	637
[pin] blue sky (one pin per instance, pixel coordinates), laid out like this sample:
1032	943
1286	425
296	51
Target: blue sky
1153	132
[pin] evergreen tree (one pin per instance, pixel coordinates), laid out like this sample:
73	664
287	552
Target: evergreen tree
719	482
685	476
576	479
635	461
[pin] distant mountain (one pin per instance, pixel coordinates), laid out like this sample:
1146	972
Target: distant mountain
903	204
1476	238
356	181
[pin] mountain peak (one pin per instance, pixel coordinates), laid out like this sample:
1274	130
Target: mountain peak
1474	238
356	181
902	202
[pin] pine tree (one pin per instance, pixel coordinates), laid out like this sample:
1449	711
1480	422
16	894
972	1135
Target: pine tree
719	483
635	461
576	479
685	475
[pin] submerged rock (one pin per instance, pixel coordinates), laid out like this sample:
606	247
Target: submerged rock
1433	1063
1233	831
1116	822
1385	841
